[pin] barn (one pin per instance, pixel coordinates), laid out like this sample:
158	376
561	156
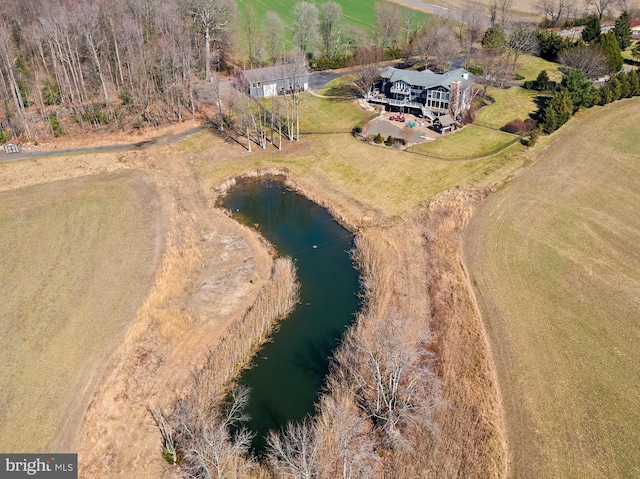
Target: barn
271	81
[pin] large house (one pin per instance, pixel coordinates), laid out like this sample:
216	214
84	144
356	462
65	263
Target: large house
424	93
276	80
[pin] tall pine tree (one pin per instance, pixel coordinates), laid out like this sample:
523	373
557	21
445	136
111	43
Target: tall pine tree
622	30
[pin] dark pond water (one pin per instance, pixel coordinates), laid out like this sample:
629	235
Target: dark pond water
288	373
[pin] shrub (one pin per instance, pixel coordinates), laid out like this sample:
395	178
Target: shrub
4	135
520	127
95	116
378	139
357	129
389	141
518	77
327	63
532	138
56	128
541	83
50	93
469	116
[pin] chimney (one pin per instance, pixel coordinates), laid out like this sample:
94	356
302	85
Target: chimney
454	98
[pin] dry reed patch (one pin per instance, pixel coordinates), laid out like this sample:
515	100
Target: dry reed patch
554	258
77	259
469	438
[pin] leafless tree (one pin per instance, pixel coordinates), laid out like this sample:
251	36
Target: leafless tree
251	33
387	369
368	73
201	425
294	69
388	24
9	84
552	10
473	25
592	61
330	21
601	6
274	31
294	452
522	39
213	19
437	46
496	68
347	442
305	30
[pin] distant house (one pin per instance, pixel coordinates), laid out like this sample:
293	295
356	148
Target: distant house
635	28
271	81
424	93
13	147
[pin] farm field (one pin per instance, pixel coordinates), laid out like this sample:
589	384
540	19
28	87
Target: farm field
77	259
555	262
359	13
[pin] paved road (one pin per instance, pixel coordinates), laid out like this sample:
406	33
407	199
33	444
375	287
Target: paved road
99	149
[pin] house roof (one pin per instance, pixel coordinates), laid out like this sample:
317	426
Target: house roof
426	78
446	120
635	23
277	72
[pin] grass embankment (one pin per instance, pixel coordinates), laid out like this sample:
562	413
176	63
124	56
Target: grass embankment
471	142
510	104
529	66
554	257
77	258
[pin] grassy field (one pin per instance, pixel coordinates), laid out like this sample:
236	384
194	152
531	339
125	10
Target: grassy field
510	103
359	13
77	256
469	142
555	260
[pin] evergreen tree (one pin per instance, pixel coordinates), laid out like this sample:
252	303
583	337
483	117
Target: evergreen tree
614	87
634	82
609	46
592	29
551	44
579	87
622	30
494	37
625	86
606	96
558	111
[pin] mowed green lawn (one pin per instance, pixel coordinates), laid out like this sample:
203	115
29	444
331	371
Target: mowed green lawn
555	260
76	259
510	104
472	141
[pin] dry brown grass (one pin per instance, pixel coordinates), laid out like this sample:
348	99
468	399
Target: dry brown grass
469	439
554	258
68	295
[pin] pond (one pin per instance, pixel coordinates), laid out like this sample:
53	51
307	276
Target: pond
287	373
